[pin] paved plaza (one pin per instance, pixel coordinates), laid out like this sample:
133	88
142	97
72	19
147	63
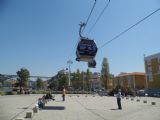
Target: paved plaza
80	107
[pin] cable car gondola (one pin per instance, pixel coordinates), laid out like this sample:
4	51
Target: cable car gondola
86	49
92	63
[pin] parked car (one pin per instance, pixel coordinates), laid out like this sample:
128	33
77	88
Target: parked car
157	94
103	93
141	93
153	92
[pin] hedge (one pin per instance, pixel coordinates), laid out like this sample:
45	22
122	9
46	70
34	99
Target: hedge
2	93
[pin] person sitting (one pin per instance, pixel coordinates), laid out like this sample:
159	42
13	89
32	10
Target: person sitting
40	103
50	96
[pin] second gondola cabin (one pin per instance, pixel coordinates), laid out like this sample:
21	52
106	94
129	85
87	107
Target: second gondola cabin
92	63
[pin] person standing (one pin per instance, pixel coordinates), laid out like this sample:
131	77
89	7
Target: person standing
63	94
119	99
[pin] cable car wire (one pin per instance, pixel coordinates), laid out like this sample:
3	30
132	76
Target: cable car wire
85	24
89	15
100	15
74	49
123	32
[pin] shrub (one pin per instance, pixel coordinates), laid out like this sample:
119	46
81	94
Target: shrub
11	93
2	93
39	92
44	92
131	92
34	92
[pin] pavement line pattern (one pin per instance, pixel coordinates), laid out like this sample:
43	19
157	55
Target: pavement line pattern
23	110
90	110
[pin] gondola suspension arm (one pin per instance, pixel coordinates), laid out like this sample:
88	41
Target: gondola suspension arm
82	25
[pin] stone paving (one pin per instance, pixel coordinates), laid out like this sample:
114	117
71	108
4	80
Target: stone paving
80	107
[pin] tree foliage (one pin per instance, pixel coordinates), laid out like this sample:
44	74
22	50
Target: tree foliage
62	80
39	84
87	78
79	80
105	75
23	75
54	85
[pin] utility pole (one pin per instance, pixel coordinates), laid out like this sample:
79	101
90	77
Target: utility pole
69	62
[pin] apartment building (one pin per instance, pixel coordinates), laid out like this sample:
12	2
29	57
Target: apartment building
152	69
135	80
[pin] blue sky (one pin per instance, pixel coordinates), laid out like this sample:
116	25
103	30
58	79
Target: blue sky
41	35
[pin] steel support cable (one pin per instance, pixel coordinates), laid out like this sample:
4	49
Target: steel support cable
123	32
94	113
73	49
89	16
100	15
85	24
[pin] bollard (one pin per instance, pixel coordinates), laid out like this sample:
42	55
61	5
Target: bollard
138	100
19	119
35	109
144	101
28	114
153	103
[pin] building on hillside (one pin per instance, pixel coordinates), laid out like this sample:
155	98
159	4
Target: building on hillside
152	69
135	80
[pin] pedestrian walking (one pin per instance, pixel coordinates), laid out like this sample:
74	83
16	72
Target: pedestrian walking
63	94
119	99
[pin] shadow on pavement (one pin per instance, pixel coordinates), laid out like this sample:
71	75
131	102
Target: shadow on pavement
25	108
54	108
114	109
59	101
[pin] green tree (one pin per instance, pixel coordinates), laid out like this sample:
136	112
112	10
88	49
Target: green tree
39	83
87	77
78	80
54	85
74	81
105	75
23	75
62	80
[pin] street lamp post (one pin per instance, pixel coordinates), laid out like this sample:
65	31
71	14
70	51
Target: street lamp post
69	62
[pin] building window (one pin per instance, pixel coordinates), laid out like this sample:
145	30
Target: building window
149	69
149	62
150	77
